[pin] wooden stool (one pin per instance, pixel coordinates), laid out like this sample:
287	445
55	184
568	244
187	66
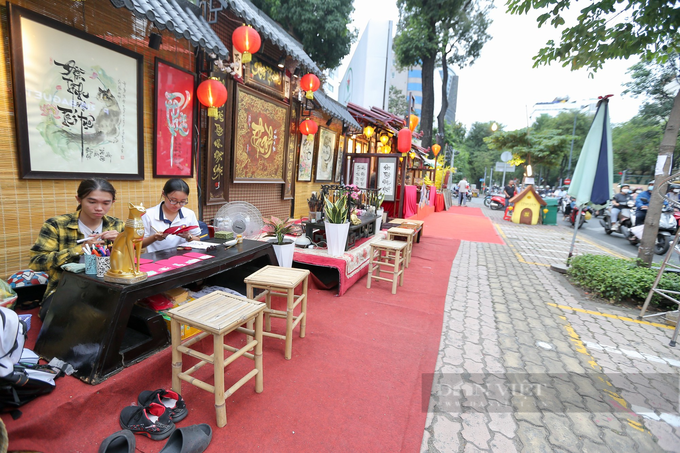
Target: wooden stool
420	223
387	253
281	281
406	233
217	314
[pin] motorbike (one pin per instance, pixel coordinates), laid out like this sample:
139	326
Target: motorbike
668	226
495	202
563	203
582	218
626	219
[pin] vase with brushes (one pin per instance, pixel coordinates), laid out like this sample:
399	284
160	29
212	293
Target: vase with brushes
337	225
377	200
315	204
284	247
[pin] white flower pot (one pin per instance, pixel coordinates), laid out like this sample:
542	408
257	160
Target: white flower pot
378	220
336	238
284	254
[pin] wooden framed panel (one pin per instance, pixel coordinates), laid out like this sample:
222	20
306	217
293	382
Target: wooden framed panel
325	157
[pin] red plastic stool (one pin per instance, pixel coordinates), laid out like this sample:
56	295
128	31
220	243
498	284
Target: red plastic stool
508	214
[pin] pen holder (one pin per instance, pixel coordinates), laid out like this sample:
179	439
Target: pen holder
91	264
103	265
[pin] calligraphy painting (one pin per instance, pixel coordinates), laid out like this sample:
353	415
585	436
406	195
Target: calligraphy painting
325	158
78	102
338	161
265	76
387	176
174	121
360	173
217	160
288	191
261	131
306	158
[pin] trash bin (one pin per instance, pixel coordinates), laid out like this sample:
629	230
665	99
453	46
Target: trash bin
550	217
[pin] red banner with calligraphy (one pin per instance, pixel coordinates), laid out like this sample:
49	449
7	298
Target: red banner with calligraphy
217	158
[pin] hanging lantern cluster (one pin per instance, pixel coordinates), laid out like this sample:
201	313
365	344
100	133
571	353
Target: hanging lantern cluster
309	128
213	94
247	41
368	131
309	83
404	140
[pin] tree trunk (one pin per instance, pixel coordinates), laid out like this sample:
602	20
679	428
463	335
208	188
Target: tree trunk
670	137
441	118
427	106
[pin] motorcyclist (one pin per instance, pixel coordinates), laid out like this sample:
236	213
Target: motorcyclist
619	202
642	204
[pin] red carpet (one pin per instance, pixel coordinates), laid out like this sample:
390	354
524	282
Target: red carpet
354	383
465	224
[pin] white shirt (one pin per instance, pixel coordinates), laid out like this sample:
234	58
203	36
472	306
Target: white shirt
155	218
463	186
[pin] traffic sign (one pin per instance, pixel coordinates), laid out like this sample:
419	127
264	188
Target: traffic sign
502	166
567	181
506	156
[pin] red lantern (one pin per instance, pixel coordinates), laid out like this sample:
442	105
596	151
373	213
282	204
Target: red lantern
404	140
213	94
247	41
435	149
308	128
310	83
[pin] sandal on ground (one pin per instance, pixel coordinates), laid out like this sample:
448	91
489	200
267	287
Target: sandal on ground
192	439
172	400
152	421
120	442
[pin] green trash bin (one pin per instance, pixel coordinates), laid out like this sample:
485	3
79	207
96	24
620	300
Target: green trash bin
550	217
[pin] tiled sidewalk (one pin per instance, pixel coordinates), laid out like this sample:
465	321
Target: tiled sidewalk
527	363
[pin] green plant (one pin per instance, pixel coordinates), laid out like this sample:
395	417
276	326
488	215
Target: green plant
619	280
336	212
274	227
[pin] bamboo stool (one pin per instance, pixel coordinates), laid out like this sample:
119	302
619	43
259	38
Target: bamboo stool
420	223
406	233
281	281
387	253
217	314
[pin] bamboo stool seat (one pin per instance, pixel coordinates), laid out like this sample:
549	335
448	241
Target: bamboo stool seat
408	234
217	314
420	223
387	253
281	281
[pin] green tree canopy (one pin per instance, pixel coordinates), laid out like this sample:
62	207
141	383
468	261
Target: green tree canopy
397	103
649	80
322	26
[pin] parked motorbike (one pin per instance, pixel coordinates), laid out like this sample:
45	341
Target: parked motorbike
625	221
668	225
495	202
563	203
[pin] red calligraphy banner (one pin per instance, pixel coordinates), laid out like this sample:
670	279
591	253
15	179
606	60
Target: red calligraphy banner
174	121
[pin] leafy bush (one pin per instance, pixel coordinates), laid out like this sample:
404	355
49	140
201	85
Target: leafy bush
620	280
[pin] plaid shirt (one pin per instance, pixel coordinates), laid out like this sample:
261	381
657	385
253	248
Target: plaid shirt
56	245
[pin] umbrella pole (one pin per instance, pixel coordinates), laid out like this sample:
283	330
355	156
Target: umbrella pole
573	239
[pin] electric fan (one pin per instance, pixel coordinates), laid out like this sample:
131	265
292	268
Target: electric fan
241	218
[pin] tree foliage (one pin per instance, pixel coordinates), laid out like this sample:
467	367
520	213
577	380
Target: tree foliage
397	104
636	146
322	26
649	80
425	28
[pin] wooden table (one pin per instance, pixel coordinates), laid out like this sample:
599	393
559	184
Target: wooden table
96	326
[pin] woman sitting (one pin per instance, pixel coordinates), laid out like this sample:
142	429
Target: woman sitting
57	241
170	212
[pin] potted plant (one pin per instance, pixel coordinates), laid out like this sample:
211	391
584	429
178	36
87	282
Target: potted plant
379	211
284	247
337	225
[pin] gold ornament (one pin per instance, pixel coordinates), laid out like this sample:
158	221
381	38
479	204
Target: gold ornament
127	249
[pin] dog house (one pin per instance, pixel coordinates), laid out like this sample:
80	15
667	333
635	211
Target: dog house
528	204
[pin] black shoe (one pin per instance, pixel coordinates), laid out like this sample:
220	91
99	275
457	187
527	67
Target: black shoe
152	421
172	400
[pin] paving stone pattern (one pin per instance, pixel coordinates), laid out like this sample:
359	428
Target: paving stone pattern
519	370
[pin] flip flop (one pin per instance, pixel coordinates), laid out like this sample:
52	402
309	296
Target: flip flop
120	442
192	439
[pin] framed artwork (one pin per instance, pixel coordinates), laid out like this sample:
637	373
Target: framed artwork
338	161
260	143
360	173
325	158
387	176
288	190
174	121
265	76
78	102
217	160
306	159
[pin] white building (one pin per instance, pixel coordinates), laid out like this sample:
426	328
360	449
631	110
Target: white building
563	104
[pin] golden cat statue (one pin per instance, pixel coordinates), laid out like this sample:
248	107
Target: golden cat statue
127	249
